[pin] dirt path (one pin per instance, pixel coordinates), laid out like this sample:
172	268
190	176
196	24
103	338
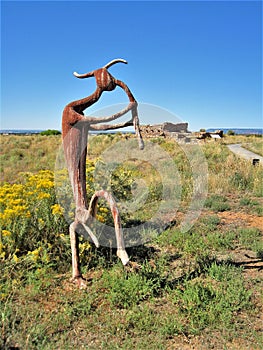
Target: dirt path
244	153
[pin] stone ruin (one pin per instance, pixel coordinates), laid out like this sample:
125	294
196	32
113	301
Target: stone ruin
167	130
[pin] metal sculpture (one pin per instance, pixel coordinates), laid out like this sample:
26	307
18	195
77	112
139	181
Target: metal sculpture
75	128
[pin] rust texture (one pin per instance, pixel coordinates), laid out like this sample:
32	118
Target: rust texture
75	128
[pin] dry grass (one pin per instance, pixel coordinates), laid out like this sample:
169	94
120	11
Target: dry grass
26	153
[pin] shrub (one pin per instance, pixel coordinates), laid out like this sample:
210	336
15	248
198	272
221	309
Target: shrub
50	132
32	222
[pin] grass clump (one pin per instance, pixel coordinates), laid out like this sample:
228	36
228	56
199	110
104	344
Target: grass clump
255	145
125	291
250	238
212	302
252	205
217	203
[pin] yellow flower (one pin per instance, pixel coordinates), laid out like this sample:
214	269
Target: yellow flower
103	210
1	246
100	218
57	209
45	184
6	233
43	195
82	247
64	238
41	222
34	255
15	258
3	296
16	201
31	193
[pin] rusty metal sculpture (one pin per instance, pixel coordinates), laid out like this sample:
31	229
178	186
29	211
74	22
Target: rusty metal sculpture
75	128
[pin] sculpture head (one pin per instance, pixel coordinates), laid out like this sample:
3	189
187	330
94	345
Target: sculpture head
104	80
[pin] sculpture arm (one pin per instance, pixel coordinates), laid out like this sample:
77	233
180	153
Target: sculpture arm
96	120
111	126
126	89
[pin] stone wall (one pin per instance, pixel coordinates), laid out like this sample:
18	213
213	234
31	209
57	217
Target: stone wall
165	130
179	127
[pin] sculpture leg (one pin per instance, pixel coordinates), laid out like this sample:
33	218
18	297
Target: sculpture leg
135	119
121	252
74	242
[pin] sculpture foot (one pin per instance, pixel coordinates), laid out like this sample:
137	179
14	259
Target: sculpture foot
79	281
122	254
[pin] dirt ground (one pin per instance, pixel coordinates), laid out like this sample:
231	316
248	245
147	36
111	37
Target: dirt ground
241	219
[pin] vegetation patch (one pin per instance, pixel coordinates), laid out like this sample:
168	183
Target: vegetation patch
217	203
254	145
50	132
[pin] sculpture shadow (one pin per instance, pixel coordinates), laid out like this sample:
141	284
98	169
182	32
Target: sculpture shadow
203	267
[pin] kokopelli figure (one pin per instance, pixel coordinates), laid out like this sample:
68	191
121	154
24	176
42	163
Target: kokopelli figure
75	128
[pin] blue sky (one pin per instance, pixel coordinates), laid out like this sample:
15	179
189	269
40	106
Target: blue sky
200	60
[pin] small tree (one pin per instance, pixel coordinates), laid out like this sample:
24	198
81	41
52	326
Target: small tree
50	132
230	133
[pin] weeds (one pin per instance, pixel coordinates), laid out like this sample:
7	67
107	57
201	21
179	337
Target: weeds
252	205
203	303
217	203
250	238
255	145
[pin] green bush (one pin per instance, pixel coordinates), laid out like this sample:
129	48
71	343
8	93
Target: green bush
50	132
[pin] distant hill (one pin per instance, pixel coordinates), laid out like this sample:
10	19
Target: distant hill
19	131
238	131
34	132
225	130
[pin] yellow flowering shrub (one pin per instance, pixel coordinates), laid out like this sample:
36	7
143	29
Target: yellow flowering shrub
31	220
35	215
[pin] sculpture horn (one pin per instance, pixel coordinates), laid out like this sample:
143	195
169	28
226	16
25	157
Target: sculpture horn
85	75
117	60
